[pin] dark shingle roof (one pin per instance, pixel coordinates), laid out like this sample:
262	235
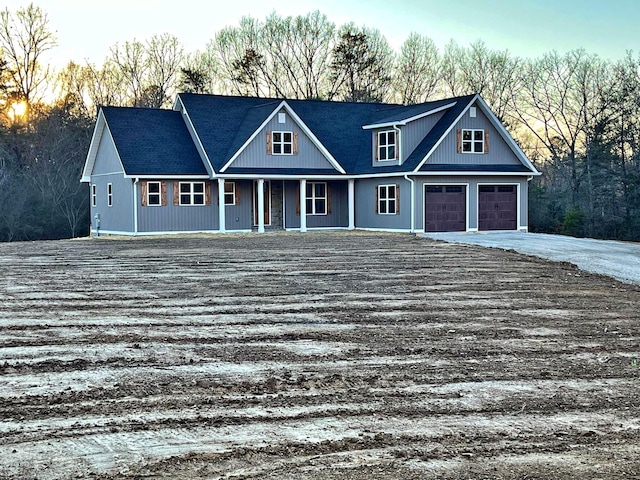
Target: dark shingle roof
153	142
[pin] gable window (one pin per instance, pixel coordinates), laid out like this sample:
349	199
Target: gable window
387	145
316	197
230	193
282	143
192	193
110	194
388	199
94	195
154	194
473	141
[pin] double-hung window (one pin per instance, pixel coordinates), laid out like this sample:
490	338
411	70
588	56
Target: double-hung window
229	193
110	194
192	193
316	198
472	141
154	194
282	143
388	199
387	145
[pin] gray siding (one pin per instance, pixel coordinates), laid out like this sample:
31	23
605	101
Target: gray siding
255	155
499	151
176	218
240	216
366	216
414	132
119	217
472	196
107	160
339	216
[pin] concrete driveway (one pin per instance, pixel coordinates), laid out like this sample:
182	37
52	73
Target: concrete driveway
620	260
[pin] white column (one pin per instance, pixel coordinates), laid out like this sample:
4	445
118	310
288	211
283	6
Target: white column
352	203
303	205
260	205
221	207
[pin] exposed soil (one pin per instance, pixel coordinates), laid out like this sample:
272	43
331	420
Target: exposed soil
312	356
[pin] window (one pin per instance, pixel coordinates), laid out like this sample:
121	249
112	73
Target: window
154	193
472	141
94	195
387	145
316	198
110	194
192	193
388	201
282	143
229	193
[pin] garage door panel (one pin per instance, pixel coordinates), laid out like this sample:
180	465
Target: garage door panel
497	207
445	208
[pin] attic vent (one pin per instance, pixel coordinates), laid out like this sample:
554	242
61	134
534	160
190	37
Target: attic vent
472	112
282	118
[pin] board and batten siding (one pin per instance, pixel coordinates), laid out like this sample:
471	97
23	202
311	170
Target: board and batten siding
499	151
255	154
339	216
471	183
366	197
239	216
107	160
177	218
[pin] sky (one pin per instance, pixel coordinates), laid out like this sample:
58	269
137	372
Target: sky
86	29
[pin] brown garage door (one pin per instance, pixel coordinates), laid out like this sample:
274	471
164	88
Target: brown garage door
497	207
445	208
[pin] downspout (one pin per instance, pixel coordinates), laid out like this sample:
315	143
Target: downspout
413	202
135	206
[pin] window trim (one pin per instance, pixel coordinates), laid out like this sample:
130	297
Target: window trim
232	193
150	193
314	198
192	194
473	141
109	194
387	146
387	199
282	142
94	195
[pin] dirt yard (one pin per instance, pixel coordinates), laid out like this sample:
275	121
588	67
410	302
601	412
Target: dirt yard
312	356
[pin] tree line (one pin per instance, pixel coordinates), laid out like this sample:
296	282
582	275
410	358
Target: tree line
576	115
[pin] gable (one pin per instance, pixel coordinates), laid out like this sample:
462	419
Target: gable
107	160
259	155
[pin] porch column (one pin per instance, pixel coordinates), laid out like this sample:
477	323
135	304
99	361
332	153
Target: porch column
352	203
221	207
260	205
303	205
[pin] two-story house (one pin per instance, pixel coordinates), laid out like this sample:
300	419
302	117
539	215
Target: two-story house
238	164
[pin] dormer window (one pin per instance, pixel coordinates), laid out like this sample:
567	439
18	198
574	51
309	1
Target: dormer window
387	145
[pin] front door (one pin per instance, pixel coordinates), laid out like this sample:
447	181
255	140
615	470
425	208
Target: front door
267	202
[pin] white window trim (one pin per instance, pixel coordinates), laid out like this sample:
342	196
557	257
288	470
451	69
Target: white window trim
387	199
159	194
462	140
192	194
281	143
109	194
387	146
232	193
94	195
313	198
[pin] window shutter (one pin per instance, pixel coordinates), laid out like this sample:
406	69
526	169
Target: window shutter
143	187
268	142
295	143
328	200
459	140
375	146
397	147
207	193
486	141
298	199
397	199
236	191
163	194
377	197
176	193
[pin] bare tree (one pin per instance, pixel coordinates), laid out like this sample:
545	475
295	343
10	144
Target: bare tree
24	38
164	58
417	70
